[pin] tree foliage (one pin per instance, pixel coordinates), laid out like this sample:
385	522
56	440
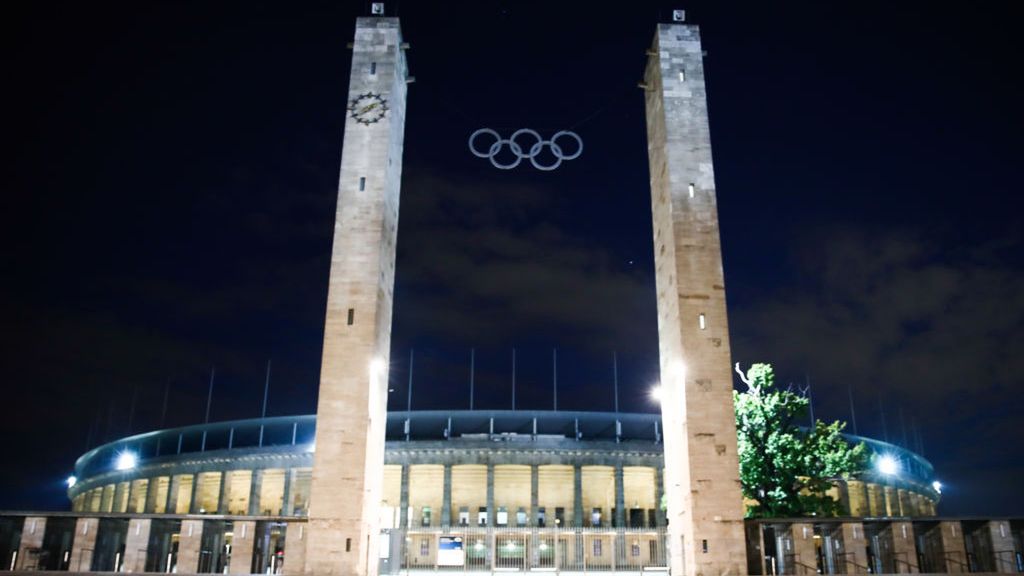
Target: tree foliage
785	469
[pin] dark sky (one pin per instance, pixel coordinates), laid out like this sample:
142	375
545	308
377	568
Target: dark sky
169	184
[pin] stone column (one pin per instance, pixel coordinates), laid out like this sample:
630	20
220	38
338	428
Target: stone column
446	497
83	545
348	467
295	548
857	495
173	487
119	488
953	549
577	496
136	545
403	499
31	539
892	503
224	498
189	545
904	550
903	497
255	489
288	506
492	513
803	547
620	497
1002	546
193	505
855	546
242	545
151	494
705	505
534	495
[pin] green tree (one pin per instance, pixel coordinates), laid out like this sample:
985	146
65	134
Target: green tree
785	469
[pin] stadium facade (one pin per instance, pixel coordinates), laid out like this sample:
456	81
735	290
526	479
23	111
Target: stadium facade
465	490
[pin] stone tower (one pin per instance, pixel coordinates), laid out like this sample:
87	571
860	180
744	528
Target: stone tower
705	509
348	468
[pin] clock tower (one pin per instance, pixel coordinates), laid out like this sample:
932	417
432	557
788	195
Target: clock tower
348	467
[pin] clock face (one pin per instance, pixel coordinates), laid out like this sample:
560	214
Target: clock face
368	108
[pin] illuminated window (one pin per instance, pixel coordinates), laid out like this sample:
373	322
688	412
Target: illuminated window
682	76
703	322
691	190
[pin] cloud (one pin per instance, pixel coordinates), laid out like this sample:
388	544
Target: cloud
474	260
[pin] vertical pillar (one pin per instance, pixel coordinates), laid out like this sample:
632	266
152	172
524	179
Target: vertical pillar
577	496
446	498
892	503
255	489
620	497
403	499
855	546
857	494
903	498
659	494
242	545
705	506
189	546
31	539
348	468
173	486
119	498
953	548
288	506
492	513
83	544
136	545
904	550
224	497
151	495
295	545
803	548
193	505
1003	550
534	495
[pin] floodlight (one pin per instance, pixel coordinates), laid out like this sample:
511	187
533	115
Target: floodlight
887	465
71	481
937	486
126	460
657	393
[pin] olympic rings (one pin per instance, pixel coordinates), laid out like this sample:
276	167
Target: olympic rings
517	149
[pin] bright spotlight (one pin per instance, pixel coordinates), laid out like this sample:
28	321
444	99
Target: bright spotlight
937	486
126	461
71	481
657	393
888	465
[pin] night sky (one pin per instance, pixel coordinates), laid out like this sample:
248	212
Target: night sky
170	175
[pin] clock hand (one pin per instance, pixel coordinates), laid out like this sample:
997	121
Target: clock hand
368	108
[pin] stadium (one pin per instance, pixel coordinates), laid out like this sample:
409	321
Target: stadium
475	489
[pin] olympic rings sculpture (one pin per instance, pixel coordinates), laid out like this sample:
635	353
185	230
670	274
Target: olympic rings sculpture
517	149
